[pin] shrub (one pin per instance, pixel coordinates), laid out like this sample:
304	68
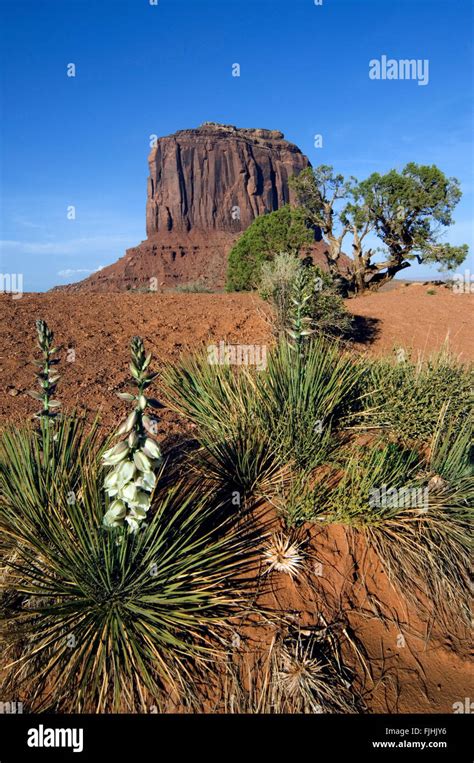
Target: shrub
407	397
282	231
359	470
276	285
193	287
300	291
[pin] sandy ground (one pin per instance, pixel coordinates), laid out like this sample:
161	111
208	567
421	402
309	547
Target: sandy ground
94	330
411	317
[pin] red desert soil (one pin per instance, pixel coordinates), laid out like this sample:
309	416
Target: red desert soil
98	327
424	675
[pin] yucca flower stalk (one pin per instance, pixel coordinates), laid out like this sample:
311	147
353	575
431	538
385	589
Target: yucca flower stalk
47	378
136	458
300	311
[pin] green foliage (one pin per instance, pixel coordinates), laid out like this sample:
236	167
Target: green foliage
407	397
36	467
103	625
302	399
452	450
305	300
428	553
282	231
268	419
317	188
193	287
299	317
407	210
409	207
422	535
277	277
361	470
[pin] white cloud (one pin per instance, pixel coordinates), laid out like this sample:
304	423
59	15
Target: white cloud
75	271
70	246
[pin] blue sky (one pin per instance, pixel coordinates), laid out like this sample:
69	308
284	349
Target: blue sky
146	69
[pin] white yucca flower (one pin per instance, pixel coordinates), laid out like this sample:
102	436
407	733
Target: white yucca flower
282	554
134	460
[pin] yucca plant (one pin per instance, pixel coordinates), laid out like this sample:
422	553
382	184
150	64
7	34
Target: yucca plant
212	396
451	452
283	554
284	415
108	626
105	620
34	470
302	399
431	553
311	677
47	377
242	461
37	461
428	556
300	328
136	458
301	672
421	534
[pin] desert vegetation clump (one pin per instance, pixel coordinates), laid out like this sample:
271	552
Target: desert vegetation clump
193	287
407	395
309	408
98	619
301	672
406	211
304	298
124	574
282	231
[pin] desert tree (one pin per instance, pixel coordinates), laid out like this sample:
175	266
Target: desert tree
318	191
358	219
406	210
410	210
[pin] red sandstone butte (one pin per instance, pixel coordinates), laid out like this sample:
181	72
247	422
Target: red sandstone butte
205	186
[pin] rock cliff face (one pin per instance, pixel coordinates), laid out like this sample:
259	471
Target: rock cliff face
218	178
205	187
